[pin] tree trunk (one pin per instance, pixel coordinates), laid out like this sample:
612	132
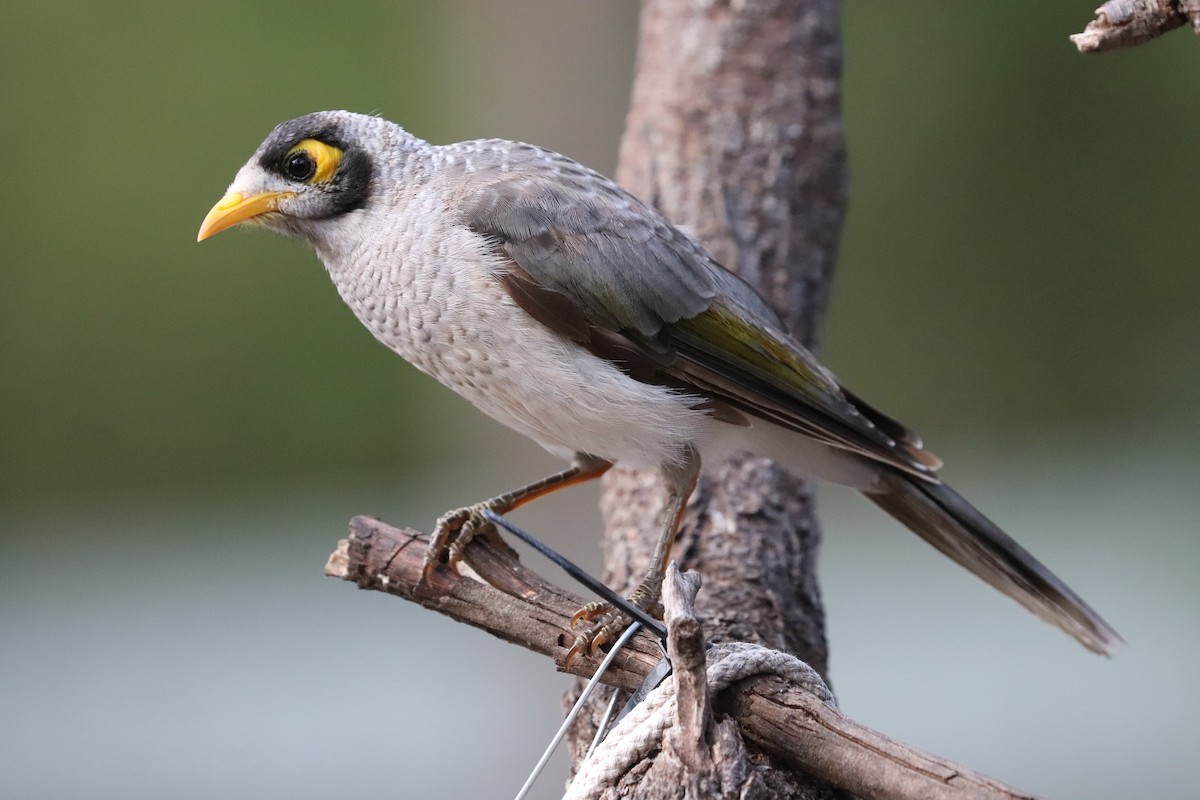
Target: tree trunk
735	132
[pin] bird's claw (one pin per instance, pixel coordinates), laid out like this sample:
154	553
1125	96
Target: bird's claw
454	531
590	612
606	625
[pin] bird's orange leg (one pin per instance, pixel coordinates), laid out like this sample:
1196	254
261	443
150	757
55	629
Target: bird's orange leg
607	622
468	522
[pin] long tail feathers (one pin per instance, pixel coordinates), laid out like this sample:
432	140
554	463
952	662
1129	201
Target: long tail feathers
940	516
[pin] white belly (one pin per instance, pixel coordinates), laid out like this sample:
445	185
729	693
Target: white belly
459	325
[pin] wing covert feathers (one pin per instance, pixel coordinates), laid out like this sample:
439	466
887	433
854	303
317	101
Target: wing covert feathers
593	263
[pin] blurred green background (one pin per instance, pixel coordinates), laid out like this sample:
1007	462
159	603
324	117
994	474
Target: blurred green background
184	429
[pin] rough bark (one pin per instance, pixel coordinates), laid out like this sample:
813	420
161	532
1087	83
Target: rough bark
735	132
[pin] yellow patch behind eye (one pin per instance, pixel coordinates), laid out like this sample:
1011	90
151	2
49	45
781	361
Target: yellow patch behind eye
325	156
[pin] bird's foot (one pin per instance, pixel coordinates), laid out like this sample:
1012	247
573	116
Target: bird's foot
605	623
453	532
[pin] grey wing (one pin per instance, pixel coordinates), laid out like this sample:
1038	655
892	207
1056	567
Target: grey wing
597	265
574	231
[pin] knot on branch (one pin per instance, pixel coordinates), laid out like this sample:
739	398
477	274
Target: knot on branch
642	732
677	717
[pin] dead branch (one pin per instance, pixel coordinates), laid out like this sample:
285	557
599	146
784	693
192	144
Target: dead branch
1125	23
793	725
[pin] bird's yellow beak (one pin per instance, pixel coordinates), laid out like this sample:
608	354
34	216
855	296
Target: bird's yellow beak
235	207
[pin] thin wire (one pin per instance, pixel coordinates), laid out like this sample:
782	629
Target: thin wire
602	728
581	575
583	696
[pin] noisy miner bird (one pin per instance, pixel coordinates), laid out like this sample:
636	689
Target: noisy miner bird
567	309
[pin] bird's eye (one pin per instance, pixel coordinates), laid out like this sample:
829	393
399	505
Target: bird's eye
300	166
312	161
